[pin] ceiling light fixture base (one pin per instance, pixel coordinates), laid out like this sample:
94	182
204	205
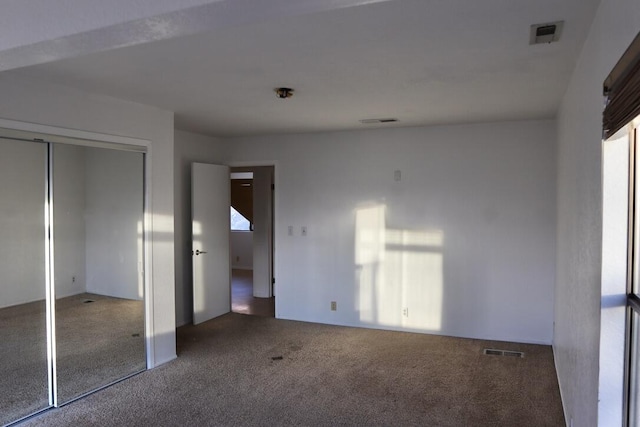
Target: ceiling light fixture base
284	92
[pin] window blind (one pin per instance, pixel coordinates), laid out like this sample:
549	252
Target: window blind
622	91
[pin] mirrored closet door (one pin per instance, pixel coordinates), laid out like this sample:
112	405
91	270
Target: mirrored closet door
98	215
24	368
72	293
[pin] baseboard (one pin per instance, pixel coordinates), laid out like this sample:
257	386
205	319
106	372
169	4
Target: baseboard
567	420
242	267
182	322
165	360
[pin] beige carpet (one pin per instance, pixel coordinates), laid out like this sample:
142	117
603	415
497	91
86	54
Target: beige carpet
23	361
98	343
240	370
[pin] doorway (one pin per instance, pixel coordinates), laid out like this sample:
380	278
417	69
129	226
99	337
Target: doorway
251	242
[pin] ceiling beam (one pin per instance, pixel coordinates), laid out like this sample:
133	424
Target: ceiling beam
39	31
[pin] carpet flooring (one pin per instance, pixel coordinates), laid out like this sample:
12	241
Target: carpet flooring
97	343
23	356
239	370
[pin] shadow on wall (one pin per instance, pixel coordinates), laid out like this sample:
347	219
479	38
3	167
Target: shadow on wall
398	272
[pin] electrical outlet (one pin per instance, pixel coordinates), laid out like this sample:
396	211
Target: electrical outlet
237	258
73	279
405	312
334	306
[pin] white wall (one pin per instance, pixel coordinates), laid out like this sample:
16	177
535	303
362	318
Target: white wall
189	147
22	247
38	103
465	241
97	210
262	180
22	235
242	250
578	290
69	220
113	217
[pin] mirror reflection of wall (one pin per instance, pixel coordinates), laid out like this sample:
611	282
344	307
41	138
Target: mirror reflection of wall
98	246
24	387
97	260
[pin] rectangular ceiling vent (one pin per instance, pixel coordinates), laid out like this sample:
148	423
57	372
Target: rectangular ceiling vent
509	353
371	121
546	33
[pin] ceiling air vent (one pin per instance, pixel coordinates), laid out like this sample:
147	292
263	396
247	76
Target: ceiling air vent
546	33
371	121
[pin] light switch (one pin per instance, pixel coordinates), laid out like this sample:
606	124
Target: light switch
303	231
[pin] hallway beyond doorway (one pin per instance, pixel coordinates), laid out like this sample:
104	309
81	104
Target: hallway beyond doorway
242	299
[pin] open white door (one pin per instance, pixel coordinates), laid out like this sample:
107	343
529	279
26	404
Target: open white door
210	201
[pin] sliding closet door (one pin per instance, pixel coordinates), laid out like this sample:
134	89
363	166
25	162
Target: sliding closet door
99	280
24	370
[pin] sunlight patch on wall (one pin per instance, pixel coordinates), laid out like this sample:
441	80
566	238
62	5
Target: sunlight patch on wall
399	273
140	252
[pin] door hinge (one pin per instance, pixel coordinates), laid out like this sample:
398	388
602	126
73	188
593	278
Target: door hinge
273	280
273	186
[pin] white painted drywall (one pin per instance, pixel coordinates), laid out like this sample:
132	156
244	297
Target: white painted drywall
578	290
22	222
39	103
189	147
113	217
262	180
22	233
69	219
242	250
465	240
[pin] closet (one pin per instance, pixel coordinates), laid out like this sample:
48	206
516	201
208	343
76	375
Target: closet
72	257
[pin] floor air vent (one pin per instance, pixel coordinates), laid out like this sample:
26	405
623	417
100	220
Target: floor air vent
87	301
508	353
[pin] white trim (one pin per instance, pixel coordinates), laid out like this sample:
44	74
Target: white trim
148	263
253	164
72	133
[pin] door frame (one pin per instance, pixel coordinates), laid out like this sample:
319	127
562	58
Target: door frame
274	209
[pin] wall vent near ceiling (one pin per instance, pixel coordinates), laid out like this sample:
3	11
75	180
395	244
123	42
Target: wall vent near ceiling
509	353
546	33
371	121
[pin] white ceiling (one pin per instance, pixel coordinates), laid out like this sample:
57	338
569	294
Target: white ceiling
423	62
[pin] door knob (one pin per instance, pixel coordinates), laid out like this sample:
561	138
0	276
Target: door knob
198	252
